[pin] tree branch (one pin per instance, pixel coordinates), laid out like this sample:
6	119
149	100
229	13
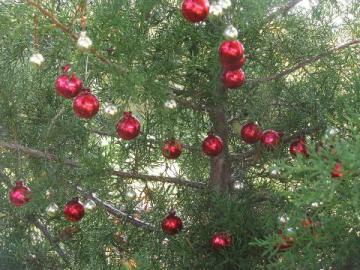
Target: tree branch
73	36
303	63
74	163
283	10
52	240
116	212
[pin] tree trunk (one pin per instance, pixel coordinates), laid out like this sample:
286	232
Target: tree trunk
220	166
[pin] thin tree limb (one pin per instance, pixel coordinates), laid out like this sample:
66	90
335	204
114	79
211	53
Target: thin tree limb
74	163
73	36
283	10
116	212
303	63
52	240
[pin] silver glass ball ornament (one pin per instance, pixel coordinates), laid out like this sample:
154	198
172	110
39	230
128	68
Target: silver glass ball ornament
230	33
131	194
90	205
52	210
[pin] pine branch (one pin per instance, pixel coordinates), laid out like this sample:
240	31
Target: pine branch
48	14
116	212
52	240
303	63
74	163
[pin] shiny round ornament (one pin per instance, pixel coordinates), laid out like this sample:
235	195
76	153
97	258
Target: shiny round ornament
286	241
37	59
231	51
110	109
221	241
89	205
251	133
131	194
238	185
225	4
234	66
270	139
299	147
52	210
19	195
86	105
84	42
68	86
128	127
212	145
74	210
170	104
172	149
172	224
215	11
337	171
233	78
230	33
195	10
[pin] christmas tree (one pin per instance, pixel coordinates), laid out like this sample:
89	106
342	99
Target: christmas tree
168	134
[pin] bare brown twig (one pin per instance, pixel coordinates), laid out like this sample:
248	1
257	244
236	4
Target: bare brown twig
74	163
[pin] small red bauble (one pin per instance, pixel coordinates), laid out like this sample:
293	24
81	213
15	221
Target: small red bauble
171	149
337	171
221	240
299	148
251	133
19	194
285	243
231	52
86	105
233	78
172	224
67	86
212	145
74	210
234	66
270	138
128	127
195	10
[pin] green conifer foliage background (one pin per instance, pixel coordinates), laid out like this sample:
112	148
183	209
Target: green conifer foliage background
302	79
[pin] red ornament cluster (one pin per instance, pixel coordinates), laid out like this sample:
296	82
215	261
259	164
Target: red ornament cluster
212	145
19	195
85	105
337	170
299	147
172	149
74	210
172	224
128	127
221	240
195	10
232	59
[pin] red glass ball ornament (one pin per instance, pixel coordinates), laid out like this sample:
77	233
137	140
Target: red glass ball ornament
231	51
86	105
234	66
233	78
251	133
128	127
270	138
337	171
172	224
19	194
171	149
212	145
221	240
74	210
195	10
298	147
68	86
286	243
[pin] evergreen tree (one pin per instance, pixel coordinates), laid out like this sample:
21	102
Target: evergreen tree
279	211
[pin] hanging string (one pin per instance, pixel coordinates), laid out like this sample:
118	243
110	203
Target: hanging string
36	32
